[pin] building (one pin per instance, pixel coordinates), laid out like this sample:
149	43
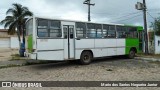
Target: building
8	41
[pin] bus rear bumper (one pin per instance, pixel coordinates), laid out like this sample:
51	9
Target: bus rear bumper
31	55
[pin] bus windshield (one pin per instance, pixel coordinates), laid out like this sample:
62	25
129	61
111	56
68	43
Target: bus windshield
29	27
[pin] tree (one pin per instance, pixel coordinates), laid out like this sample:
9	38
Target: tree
15	19
156	26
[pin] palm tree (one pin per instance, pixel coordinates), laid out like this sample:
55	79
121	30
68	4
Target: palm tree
15	19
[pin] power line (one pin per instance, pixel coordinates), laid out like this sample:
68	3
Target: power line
128	15
151	15
153	9
112	13
128	18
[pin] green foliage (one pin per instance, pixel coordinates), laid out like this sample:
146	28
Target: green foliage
156	26
15	18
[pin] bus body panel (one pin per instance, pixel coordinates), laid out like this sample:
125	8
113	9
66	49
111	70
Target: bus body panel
71	48
50	49
106	47
85	44
50	55
101	47
50	45
78	53
121	46
131	43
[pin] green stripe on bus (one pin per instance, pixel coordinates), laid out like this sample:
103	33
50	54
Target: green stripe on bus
131	42
139	28
30	43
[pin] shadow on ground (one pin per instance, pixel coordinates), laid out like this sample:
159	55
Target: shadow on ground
118	62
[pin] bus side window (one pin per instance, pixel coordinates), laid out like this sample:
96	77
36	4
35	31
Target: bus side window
132	32
80	30
121	31
98	28
105	30
111	32
42	29
140	35
55	29
91	31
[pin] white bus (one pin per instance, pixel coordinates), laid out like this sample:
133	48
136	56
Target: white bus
59	40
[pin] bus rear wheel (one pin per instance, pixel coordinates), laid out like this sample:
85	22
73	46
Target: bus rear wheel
131	54
86	58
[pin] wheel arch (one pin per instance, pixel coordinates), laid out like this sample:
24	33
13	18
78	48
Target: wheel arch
89	51
133	48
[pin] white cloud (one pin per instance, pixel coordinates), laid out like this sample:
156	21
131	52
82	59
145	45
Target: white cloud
104	11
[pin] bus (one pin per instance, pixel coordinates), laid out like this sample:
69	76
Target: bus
61	40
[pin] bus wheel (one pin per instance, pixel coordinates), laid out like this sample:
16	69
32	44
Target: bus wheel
131	54
86	58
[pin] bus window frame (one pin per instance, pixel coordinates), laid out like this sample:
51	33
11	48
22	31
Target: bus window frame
48	29
84	30
132	32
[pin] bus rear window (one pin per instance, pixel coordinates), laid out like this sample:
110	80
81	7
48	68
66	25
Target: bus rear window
29	27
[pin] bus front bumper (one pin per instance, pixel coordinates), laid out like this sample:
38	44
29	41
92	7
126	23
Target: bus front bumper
31	55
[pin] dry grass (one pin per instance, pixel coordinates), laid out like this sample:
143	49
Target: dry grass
17	57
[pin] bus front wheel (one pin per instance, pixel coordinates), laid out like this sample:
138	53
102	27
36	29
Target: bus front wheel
86	58
131	54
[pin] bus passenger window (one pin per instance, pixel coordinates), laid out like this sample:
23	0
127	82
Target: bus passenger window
111	32
42	28
91	31
98	28
80	30
132	32
55	29
121	31
105	30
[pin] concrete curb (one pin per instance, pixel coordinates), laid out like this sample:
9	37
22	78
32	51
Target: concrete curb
147	59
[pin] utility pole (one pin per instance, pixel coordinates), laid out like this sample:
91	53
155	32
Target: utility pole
155	28
143	7
145	26
88	2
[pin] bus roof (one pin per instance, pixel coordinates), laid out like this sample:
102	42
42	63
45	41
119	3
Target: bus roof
50	18
139	28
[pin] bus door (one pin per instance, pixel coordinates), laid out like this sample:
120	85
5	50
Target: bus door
68	32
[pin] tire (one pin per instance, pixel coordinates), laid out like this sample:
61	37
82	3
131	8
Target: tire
131	54
86	58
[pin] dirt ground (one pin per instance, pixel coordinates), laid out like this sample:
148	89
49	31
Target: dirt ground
108	69
6	53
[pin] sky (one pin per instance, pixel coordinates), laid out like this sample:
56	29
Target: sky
104	11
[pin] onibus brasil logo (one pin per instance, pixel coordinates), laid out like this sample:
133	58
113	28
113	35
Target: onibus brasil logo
19	84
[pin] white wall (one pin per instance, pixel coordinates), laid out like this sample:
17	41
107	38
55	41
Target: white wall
14	43
5	42
157	44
